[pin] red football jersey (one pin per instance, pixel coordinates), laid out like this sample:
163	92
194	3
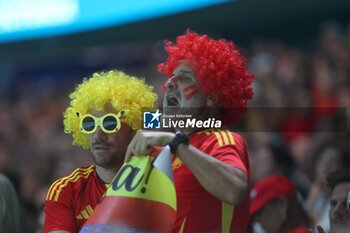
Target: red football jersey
198	210
72	199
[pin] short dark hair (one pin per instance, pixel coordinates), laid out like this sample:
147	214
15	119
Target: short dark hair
337	177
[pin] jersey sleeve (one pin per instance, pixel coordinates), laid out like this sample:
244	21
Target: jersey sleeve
59	214
229	148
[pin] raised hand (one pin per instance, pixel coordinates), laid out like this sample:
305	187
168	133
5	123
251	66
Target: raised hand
144	139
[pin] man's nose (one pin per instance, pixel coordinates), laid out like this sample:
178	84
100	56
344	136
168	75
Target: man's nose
171	83
100	135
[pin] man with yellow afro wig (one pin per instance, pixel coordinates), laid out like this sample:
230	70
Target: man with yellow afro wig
104	113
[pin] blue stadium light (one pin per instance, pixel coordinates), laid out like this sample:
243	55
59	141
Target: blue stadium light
30	19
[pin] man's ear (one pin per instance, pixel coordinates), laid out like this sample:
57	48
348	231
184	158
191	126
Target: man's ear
210	101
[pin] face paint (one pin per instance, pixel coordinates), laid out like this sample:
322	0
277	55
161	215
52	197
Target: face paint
164	88
183	92
190	91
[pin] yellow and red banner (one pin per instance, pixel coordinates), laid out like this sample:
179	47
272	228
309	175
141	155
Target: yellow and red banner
141	198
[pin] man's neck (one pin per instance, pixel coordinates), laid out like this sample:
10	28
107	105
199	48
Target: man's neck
106	174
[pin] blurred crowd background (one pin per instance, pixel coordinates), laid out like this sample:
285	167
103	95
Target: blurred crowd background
311	71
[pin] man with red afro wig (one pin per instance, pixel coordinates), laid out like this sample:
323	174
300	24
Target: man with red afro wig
206	78
220	70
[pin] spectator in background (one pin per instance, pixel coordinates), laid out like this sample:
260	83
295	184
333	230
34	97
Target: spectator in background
328	159
104	113
339	213
273	158
9	208
275	207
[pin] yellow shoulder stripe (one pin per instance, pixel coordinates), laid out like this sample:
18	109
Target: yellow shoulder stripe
230	137
57	186
218	137
224	137
59	181
82	175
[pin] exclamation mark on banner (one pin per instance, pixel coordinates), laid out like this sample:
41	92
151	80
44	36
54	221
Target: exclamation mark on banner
143	190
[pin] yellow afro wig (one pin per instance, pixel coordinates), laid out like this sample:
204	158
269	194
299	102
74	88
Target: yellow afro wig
124	93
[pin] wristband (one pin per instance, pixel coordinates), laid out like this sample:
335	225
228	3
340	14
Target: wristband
180	138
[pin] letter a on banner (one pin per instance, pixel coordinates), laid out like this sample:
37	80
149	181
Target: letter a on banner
141	198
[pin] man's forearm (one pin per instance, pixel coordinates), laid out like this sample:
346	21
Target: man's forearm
227	183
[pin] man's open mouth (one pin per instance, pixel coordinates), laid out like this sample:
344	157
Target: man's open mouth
172	101
101	148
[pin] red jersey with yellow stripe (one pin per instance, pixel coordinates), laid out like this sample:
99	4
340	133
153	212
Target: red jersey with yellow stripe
71	200
198	210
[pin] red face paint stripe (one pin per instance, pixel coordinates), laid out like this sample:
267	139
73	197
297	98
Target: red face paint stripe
190	93
188	88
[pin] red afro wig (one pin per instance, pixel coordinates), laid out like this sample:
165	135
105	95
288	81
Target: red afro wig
219	67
